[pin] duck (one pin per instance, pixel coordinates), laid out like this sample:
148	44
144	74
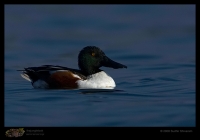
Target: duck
88	76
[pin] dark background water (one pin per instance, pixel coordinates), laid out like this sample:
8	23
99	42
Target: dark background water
156	42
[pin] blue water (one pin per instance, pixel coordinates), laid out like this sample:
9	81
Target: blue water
155	42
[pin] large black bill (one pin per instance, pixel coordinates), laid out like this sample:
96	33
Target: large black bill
107	62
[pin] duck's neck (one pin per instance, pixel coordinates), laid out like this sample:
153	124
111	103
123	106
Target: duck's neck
89	71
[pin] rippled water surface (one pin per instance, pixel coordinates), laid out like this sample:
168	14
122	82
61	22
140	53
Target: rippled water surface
155	42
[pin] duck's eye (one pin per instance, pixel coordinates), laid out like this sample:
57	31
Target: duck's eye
93	54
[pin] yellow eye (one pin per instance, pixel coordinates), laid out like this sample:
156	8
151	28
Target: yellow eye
93	54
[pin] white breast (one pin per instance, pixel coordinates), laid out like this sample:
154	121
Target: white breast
99	80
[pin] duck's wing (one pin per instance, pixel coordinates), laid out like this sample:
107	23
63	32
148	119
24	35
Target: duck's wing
45	71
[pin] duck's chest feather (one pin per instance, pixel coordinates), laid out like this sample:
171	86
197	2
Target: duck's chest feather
99	80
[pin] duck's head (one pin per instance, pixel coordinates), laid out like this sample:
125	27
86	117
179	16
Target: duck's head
91	58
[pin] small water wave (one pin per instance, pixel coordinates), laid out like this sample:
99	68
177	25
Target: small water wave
138	56
84	91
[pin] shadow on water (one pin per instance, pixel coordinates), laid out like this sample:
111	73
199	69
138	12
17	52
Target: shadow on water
84	91
87	91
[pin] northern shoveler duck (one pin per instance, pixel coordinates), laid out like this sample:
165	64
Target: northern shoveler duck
90	59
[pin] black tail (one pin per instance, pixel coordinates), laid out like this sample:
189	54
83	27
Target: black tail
32	74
